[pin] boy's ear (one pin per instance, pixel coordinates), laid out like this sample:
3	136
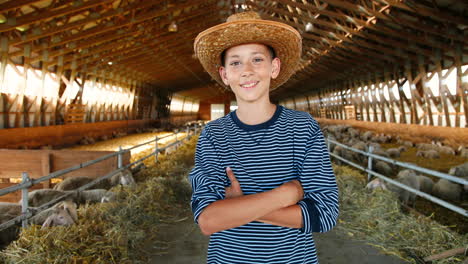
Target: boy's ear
222	73
276	67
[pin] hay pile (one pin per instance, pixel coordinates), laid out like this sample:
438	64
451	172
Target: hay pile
116	232
376	217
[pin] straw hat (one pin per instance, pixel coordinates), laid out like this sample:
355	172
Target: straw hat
248	27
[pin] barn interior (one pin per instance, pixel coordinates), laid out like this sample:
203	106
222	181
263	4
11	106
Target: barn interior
121	64
74	71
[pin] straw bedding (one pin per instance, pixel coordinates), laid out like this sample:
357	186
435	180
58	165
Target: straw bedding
120	232
376	217
115	232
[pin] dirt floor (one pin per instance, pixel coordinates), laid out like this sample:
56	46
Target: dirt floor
186	245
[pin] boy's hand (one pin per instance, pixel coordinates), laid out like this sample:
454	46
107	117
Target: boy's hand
291	192
234	190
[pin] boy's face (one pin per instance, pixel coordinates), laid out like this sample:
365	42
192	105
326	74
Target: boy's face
248	70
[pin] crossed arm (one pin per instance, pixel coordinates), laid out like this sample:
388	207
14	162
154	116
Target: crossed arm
277	207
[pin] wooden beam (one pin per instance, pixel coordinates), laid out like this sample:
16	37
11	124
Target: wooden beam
49	14
89	19
10	5
105	28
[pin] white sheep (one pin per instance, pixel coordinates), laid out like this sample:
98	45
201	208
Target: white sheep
383	168
427	146
409	178
446	150
428	154
394	152
96	196
460	170
367	136
447	190
123	177
39	197
463	152
425	184
376	184
63	213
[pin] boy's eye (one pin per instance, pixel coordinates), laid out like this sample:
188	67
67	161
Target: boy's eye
234	63
258	59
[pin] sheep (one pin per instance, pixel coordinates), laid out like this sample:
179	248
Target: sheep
425	184
447	190
394	152
380	152
353	133
63	213
460	170
383	168
123	177
427	146
96	196
381	139
367	136
463	152
360	145
39	197
428	154
375	184
344	154
408	143
409	178
446	150
375	145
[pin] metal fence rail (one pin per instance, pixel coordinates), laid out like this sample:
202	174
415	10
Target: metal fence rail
369	170
27	182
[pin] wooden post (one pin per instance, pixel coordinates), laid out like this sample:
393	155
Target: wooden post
45	164
24	197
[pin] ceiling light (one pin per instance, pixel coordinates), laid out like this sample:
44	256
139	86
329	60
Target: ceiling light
172	27
309	27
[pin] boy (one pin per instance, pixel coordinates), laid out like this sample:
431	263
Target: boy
262	181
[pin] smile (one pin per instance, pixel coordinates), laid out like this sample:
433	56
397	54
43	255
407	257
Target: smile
249	85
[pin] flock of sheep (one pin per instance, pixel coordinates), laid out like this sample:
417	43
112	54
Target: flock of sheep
63	213
362	140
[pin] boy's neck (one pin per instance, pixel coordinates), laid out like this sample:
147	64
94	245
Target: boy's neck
255	113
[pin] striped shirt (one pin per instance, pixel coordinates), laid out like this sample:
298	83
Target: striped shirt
288	146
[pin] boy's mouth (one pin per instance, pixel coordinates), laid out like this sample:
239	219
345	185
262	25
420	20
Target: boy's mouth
249	85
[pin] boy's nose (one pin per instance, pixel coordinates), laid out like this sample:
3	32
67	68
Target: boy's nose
248	70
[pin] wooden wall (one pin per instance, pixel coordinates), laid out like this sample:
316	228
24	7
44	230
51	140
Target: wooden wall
204	112
38	163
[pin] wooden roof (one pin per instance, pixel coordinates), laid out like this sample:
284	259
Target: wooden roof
130	38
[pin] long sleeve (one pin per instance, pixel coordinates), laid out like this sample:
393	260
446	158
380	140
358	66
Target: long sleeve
320	204
208	181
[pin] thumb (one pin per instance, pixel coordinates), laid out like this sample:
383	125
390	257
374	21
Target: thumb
230	175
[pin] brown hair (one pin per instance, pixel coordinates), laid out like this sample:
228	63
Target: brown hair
223	55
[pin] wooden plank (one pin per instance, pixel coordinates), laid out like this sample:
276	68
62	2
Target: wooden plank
20	161
63	159
38	163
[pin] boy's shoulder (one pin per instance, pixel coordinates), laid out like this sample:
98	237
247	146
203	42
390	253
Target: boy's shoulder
216	126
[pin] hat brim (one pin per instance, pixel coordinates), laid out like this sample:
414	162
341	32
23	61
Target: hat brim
284	39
